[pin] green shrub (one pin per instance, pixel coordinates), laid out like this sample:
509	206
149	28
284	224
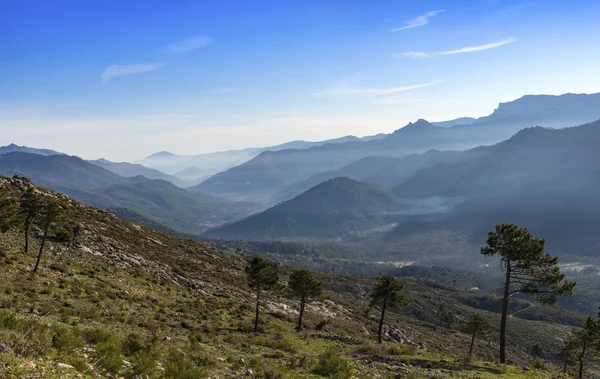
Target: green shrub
94	336
179	366
331	366
65	341
132	344
144	362
109	354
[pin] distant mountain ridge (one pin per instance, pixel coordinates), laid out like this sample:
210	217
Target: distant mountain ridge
215	162
130	170
269	173
12	148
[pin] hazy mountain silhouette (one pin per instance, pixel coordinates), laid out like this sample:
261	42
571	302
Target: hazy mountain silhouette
267	175
130	170
12	148
212	163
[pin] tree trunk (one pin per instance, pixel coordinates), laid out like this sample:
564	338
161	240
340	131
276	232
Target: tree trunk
504	315
472	343
302	303
257	308
381	321
581	358
39	257
26	235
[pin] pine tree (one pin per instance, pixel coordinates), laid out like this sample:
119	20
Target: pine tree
29	211
50	214
589	339
477	326
568	351
303	285
528	270
8	213
261	277
387	292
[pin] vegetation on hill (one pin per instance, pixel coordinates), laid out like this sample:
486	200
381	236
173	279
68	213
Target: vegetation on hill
124	300
332	209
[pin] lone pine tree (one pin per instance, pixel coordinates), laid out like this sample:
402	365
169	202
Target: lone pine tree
528	270
477	326
261	277
50	214
302	284
387	292
29	204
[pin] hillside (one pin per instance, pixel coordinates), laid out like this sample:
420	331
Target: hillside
332	209
157	200
269	173
177	308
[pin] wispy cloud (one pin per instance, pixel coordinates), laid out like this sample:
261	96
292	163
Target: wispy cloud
418	21
462	50
114	71
188	44
353	91
416	54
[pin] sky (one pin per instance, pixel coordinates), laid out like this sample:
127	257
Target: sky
124	79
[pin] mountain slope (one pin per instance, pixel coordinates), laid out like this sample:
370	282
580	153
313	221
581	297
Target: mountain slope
123	300
332	209
158	200
61	172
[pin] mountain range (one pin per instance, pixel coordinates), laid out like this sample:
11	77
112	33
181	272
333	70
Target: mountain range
544	178
157	200
422	178
266	176
212	163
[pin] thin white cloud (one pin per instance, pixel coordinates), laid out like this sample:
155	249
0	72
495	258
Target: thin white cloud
416	54
471	49
188	44
418	21
114	71
463	50
353	91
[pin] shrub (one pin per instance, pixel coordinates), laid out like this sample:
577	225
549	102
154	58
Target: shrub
144	362
321	324
65	341
132	344
179	366
109	354
331	366
94	336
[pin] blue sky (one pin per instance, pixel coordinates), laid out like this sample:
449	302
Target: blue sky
124	79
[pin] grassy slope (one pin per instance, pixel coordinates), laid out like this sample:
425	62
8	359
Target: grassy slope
126	297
